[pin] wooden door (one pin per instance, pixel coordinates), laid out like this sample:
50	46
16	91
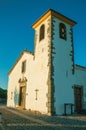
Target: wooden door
22	97
78	99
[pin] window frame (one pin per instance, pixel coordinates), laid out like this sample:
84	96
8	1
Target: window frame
23	69
62	31
42	32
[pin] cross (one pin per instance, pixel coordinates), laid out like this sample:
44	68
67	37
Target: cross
36	93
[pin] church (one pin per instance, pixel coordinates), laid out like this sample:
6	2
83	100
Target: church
48	81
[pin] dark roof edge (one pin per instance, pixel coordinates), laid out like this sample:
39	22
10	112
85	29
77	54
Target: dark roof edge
79	66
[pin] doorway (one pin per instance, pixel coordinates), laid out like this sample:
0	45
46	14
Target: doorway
22	97
78	92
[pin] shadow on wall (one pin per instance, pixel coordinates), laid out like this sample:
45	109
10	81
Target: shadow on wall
16	97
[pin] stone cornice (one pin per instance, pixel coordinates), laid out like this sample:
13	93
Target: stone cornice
51	12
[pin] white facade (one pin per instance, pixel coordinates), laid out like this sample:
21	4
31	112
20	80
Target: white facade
50	78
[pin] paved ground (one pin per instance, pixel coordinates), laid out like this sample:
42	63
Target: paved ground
13	119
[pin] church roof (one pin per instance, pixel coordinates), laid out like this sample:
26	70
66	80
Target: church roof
79	67
55	14
23	52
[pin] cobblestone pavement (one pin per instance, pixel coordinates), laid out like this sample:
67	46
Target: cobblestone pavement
13	119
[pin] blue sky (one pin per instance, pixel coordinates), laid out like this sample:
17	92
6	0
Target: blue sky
16	34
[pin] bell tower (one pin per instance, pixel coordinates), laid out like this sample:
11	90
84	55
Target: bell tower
54	54
62	60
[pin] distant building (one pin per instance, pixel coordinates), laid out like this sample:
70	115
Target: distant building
48	80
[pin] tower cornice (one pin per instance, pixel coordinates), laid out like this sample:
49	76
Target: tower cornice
56	14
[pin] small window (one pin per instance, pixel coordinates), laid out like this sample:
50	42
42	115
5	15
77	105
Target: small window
23	66
41	33
62	31
11	95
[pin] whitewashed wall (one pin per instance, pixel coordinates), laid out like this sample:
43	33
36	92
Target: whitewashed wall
37	71
63	78
41	70
15	75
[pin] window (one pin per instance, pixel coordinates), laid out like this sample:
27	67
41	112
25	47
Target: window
11	95
36	94
23	66
62	31
41	33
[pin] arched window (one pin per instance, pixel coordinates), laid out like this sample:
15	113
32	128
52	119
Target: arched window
62	31
41	33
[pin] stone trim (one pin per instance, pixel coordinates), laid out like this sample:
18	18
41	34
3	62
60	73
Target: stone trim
50	82
72	50
35	43
22	81
48	104
52	67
